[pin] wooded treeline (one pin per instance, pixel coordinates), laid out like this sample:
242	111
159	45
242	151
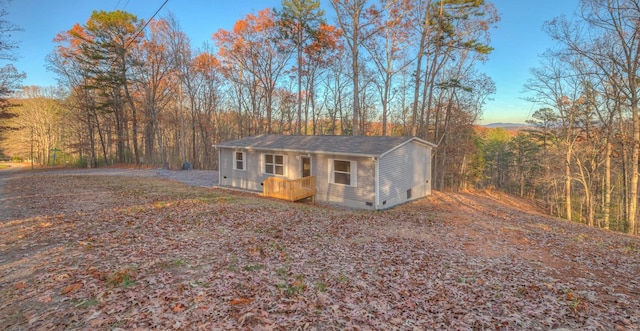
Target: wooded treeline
138	92
582	156
10	77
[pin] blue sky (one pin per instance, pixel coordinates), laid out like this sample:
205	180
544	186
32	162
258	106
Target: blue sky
518	40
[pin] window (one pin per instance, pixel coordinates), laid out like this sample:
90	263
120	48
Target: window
274	164
238	160
343	172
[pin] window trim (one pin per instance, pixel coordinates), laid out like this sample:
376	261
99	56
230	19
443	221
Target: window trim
353	165
274	164
235	160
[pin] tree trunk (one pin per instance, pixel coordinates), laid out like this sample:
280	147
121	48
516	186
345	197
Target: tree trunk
567	182
134	113
92	142
356	94
635	155
299	60
607	187
417	79
588	196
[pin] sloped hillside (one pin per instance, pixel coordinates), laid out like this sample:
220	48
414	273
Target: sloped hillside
104	252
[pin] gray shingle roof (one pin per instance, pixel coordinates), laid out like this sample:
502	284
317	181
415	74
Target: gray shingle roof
350	145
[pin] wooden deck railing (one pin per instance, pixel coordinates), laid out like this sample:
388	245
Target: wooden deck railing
290	189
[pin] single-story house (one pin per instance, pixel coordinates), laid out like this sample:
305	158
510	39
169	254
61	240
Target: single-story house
356	171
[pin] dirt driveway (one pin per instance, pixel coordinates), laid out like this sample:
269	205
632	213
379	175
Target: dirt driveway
200	178
203	178
7	174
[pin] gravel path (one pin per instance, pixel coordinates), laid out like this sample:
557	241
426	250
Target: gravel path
10	207
203	178
6	174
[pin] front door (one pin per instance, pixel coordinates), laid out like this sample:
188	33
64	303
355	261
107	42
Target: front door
305	166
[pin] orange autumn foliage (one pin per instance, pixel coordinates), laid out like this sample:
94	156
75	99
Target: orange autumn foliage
205	63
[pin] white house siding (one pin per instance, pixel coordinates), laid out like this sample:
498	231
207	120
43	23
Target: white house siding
360	196
407	167
253	177
244	179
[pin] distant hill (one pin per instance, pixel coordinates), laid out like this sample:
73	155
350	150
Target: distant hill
510	126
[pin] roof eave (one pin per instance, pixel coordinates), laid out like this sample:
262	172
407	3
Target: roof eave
416	139
263	149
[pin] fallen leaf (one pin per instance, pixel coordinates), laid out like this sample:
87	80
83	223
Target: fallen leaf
45	299
570	296
20	286
178	308
71	288
98	322
241	301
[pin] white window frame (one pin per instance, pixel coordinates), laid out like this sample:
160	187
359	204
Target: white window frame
353	166
274	164
235	161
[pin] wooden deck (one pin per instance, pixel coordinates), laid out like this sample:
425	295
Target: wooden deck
290	189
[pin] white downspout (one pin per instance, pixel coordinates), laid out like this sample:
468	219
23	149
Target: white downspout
377	182
219	169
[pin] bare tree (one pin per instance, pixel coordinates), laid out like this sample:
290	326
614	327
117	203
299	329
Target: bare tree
354	19
607	37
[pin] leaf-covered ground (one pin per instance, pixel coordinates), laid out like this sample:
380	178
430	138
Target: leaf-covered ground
106	252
